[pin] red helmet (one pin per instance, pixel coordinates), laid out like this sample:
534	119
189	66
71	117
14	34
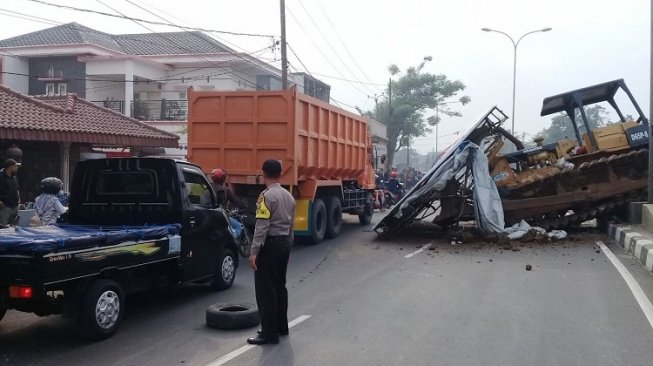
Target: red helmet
218	176
393	174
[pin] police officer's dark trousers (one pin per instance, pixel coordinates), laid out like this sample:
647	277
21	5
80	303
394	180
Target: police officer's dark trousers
270	283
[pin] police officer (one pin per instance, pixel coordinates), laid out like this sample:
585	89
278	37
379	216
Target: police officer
273	236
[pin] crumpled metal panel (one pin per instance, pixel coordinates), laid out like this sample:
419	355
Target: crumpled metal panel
425	199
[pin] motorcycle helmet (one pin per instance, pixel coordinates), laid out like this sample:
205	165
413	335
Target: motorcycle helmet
51	185
218	176
394	175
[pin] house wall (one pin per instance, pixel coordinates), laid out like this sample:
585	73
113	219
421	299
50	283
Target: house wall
72	71
105	90
18	65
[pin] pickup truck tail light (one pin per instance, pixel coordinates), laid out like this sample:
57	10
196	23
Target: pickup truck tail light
20	292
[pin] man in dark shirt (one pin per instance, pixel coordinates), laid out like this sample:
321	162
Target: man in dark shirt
8	192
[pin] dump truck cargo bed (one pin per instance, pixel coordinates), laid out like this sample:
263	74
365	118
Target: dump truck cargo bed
238	131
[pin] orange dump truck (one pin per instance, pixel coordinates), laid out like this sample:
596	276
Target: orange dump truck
325	153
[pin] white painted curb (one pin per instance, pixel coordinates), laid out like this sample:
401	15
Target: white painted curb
640	244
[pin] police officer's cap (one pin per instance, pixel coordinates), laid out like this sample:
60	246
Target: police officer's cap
272	168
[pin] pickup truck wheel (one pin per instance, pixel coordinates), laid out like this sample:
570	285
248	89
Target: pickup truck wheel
368	211
334	217
318	221
232	316
103	306
225	272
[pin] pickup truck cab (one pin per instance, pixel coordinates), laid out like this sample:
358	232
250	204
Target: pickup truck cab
132	224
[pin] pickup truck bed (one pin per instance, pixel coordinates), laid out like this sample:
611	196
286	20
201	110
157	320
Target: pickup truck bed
62	253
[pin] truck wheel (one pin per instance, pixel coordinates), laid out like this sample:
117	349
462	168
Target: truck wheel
232	316
368	211
226	271
334	217
319	221
103	306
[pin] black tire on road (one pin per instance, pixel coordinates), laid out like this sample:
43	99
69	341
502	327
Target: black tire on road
232	316
102	310
2	312
319	221
368	211
334	217
225	271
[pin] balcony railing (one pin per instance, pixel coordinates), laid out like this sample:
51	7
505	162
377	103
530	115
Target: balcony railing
151	110
114	105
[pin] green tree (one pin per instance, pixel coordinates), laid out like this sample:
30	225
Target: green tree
561	127
413	93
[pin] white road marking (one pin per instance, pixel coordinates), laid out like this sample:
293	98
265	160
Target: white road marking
235	353
634	287
418	251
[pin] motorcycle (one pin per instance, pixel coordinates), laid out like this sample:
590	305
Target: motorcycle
240	232
390	199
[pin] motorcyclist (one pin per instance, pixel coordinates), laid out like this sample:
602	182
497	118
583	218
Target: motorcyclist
225	197
393	185
48	207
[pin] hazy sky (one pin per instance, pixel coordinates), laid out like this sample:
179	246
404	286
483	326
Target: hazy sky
592	41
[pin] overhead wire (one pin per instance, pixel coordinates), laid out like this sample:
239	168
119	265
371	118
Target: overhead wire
171	41
123	16
69	26
336	53
196	35
326	58
344	45
152	7
337	102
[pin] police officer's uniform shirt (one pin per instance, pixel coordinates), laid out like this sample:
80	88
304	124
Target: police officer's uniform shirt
275	213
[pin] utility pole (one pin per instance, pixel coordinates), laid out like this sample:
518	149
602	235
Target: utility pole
390	112
650	131
284	55
408	154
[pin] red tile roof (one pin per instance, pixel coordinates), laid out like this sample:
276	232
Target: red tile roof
67	118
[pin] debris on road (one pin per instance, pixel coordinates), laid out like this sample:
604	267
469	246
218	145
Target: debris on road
529	267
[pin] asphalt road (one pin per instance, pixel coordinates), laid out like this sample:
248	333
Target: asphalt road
368	304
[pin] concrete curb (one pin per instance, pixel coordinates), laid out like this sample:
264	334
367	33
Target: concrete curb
635	241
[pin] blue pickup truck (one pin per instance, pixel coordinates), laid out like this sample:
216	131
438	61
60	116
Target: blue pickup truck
133	224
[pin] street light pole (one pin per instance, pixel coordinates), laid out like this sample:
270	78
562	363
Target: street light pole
514	65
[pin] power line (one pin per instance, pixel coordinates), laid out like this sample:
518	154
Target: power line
344	45
27	17
349	80
310	17
196	35
171	41
338	103
122	16
168	43
322	52
54	22
142	7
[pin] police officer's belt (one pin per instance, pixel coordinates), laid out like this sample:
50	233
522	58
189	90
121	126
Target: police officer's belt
277	239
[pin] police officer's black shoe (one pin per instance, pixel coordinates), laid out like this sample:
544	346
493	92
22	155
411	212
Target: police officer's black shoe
258	340
281	333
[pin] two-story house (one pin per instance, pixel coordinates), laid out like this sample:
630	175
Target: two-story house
140	75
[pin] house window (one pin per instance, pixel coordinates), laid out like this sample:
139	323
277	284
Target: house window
49	89
62	88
